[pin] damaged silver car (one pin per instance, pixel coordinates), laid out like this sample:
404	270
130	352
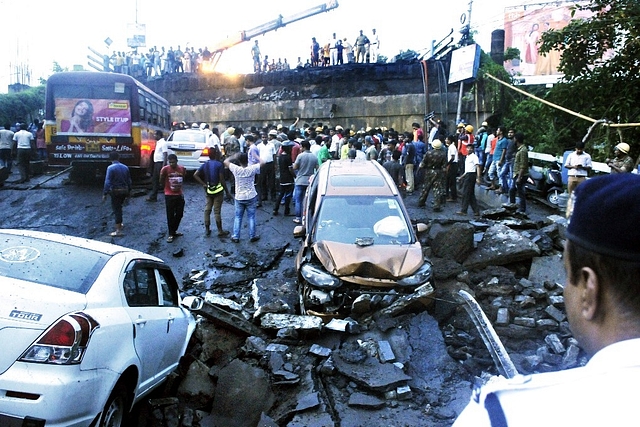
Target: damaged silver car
358	242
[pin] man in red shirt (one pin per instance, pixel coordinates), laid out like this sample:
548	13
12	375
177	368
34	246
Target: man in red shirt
171	179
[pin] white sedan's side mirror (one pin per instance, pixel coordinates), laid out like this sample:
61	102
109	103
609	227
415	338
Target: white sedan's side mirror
192	303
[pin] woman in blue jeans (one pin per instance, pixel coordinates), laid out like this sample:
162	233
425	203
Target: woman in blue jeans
246	196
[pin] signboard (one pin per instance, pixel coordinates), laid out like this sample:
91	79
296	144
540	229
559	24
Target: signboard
93	117
523	28
464	63
136	35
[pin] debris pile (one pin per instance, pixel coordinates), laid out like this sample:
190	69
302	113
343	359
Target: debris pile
254	361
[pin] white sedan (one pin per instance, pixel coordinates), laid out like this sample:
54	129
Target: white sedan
87	329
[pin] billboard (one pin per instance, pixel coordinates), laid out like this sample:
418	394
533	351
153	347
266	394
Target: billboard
136	35
464	63
93	117
523	27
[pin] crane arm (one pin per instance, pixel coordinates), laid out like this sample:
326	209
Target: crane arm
272	25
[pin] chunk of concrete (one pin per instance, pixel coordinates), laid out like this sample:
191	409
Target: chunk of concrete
385	352
234	403
318	350
500	246
280	321
371	374
547	268
221	301
363	400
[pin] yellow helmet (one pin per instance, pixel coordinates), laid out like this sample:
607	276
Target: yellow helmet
469	128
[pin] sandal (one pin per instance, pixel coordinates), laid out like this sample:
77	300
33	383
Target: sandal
169	239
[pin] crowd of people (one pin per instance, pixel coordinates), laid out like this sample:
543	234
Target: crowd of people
334	51
273	165
433	163
157	62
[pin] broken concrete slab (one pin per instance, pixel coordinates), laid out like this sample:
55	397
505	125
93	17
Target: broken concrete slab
300	322
197	386
385	353
308	401
221	301
419	297
318	350
365	401
454	242
273	297
234	403
370	373
547	269
229	320
500	246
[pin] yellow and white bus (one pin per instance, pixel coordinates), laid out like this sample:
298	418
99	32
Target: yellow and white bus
91	114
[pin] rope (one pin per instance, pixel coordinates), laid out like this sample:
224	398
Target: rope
566	110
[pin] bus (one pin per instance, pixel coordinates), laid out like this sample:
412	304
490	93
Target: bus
90	114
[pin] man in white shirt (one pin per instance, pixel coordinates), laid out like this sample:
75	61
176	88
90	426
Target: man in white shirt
267	177
159	161
6	147
579	164
23	139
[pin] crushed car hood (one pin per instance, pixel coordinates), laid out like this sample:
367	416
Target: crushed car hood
375	261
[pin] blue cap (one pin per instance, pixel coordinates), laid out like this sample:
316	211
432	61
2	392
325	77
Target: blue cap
606	214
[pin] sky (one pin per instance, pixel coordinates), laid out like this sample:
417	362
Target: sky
45	31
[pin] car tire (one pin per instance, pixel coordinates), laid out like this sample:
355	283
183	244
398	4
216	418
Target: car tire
553	197
116	410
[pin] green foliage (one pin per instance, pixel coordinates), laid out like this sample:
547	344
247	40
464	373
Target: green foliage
511	53
601	80
23	106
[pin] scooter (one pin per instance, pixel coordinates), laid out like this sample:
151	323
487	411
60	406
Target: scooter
546	184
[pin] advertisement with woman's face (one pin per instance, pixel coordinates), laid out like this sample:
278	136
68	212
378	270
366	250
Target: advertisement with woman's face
104	117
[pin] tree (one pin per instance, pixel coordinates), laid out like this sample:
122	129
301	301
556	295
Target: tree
600	58
22	106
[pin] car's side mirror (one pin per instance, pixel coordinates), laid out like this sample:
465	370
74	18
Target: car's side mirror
192	303
421	227
299	231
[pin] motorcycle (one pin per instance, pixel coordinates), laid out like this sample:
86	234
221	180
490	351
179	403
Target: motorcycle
546	184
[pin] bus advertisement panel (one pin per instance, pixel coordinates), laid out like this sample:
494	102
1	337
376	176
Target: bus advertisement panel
93	117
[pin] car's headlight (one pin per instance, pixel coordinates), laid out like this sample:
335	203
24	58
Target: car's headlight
319	278
420	277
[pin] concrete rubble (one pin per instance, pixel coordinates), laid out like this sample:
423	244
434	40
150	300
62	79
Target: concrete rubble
291	370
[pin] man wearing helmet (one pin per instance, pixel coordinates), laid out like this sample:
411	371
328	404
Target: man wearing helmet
622	161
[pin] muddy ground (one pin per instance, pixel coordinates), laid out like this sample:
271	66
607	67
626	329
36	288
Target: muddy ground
436	352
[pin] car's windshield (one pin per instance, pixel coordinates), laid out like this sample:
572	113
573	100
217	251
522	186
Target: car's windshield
49	263
362	220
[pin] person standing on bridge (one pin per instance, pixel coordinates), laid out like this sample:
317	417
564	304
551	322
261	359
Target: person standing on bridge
362	43
255	53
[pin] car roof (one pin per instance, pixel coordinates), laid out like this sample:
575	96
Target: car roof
191	135
63	239
355	177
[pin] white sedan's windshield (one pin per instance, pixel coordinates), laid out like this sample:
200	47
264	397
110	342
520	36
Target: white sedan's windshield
362	220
